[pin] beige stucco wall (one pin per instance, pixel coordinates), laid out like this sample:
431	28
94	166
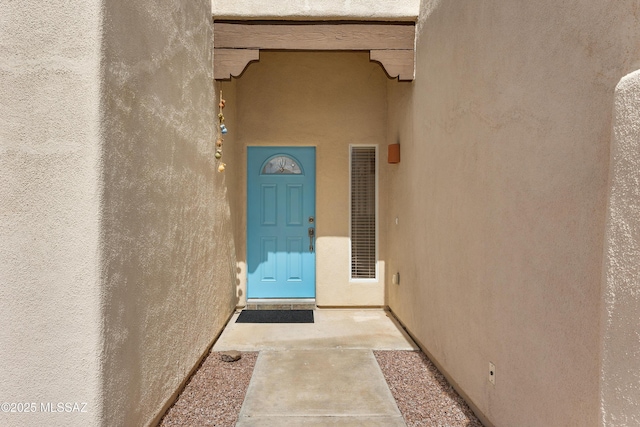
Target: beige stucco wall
501	198
169	261
234	160
328	100
117	263
49	209
316	9
620	391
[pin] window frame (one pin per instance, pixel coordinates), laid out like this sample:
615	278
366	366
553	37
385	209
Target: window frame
375	279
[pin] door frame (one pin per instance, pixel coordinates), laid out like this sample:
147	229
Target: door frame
289	150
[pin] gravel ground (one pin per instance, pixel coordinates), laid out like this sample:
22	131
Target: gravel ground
422	393
214	394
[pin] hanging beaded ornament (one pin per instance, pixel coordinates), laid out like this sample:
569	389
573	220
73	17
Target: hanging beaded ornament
223	131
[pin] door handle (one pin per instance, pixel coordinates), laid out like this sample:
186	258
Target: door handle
312	233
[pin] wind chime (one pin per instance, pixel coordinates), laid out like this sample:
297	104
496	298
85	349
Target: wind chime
223	131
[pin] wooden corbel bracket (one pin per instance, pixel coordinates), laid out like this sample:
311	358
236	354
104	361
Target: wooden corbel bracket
238	44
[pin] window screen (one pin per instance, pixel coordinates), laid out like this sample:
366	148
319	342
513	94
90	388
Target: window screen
363	212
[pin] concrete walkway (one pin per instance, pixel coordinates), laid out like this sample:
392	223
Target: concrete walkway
319	374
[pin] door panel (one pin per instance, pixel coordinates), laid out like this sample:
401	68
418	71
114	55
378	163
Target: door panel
294	204
294	259
269	202
280	201
268	264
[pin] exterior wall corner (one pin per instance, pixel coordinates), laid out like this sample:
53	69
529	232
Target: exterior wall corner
620	348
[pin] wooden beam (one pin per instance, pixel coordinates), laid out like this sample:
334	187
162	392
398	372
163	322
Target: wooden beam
397	63
232	62
313	36
236	44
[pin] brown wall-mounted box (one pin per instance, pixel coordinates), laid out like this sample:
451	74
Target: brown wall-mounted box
394	153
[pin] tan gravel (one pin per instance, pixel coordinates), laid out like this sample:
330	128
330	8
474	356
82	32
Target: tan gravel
214	394
422	393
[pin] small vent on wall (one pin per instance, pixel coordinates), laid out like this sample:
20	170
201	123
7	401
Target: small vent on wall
363	212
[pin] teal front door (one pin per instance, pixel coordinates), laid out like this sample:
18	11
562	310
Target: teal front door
281	202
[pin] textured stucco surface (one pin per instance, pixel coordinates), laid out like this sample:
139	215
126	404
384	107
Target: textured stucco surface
316	9
235	166
169	261
501	198
49	209
620	391
117	261
328	100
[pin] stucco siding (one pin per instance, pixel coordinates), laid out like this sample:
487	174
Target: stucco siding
234	160
328	100
169	265
49	211
501	198
620	391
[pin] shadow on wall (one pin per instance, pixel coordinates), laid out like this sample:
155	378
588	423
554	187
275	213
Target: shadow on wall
241	275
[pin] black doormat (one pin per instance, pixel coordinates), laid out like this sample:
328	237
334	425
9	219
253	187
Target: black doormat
275	316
